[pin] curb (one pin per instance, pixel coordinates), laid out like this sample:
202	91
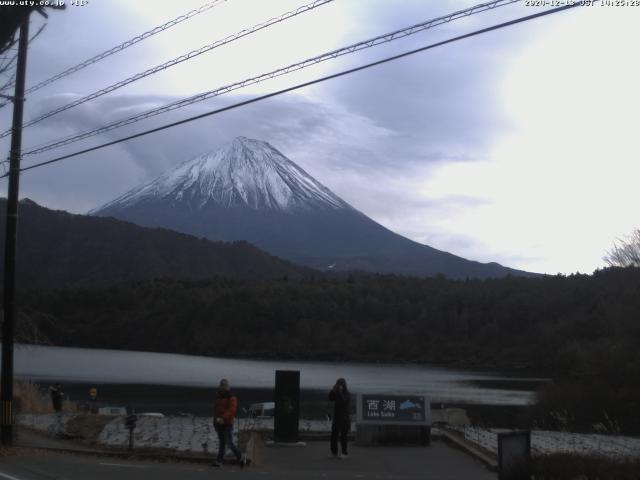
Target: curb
135	455
462	444
139	454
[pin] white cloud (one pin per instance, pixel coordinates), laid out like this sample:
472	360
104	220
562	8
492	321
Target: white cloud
519	146
561	183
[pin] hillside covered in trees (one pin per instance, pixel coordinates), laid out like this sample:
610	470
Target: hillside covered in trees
552	324
60	249
581	330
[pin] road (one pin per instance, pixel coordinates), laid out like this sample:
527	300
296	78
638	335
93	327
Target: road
439	461
74	467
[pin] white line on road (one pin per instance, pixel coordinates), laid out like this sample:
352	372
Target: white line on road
7	476
123	465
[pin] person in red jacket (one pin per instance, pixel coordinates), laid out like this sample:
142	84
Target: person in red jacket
224	415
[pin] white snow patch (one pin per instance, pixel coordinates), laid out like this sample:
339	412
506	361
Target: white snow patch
544	442
183	434
244	171
51	423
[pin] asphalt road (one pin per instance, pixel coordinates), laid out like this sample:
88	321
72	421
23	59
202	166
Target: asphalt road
439	461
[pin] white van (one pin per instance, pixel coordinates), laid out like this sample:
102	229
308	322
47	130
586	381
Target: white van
262	410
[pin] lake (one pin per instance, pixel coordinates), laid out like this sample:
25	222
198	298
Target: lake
84	366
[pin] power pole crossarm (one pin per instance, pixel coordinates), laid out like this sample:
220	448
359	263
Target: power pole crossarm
11	97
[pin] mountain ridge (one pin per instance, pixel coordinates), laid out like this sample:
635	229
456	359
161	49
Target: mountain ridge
248	190
58	249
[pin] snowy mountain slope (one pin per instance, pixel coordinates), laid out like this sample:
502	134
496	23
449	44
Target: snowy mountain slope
243	172
247	190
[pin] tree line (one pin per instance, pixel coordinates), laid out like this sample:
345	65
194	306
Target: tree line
582	330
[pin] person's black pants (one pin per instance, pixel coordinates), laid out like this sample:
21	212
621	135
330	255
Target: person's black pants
225	439
339	430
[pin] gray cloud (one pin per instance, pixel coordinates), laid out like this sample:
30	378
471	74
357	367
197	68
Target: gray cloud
370	166
474	248
368	136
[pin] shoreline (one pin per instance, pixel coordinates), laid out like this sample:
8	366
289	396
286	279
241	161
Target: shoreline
504	371
172	400
176	399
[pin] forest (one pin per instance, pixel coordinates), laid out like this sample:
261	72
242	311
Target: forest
581	330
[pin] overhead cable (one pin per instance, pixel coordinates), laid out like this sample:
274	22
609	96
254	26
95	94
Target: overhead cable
127	44
305	84
175	61
4	69
380	39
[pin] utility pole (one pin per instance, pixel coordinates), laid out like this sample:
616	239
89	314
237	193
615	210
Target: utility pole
6	380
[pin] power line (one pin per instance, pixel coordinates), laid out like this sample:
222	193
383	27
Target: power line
385	38
6	86
7	64
175	61
127	44
306	84
7	67
4	69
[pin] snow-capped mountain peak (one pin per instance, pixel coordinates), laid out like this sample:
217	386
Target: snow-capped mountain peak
242	172
248	191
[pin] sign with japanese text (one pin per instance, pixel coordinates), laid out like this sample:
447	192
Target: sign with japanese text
394	409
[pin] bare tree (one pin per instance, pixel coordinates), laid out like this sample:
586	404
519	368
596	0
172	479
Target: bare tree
625	251
11	17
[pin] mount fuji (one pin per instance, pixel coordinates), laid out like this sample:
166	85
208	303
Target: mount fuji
248	190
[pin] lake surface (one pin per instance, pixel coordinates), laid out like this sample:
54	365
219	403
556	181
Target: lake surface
82	365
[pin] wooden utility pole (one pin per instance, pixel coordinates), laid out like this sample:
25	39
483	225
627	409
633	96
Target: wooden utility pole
6	380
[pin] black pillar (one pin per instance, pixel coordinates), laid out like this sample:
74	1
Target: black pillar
287	405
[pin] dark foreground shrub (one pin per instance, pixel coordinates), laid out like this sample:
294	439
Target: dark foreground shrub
588	406
574	467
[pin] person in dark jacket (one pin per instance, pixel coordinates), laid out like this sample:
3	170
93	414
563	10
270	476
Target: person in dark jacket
224	415
56	397
341	424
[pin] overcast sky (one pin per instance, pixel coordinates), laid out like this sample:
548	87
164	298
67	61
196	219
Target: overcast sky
519	146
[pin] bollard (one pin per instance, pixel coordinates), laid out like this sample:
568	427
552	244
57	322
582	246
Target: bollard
130	424
514	455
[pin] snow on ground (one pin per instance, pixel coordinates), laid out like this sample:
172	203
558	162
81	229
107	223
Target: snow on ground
547	442
52	423
184	434
197	435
